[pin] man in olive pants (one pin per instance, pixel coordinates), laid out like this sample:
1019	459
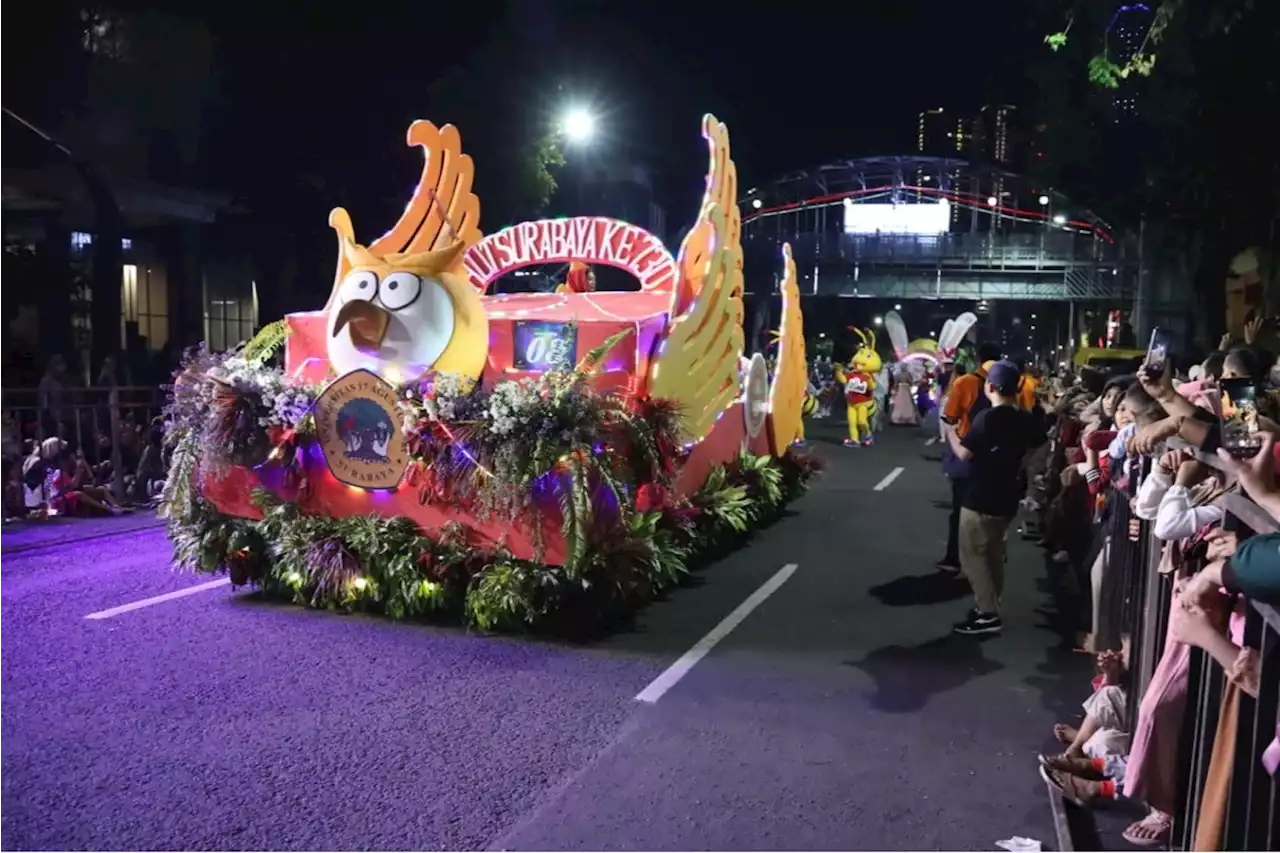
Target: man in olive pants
995	448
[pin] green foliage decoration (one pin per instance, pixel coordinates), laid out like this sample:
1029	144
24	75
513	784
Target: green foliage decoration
387	566
519	450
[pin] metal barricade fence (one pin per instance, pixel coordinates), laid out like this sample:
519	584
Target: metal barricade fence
1216	710
107	424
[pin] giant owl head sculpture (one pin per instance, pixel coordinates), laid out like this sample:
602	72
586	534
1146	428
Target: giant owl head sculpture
402	315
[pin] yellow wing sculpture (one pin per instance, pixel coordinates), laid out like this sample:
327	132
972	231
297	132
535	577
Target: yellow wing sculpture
444	208
698	362
722	190
791	373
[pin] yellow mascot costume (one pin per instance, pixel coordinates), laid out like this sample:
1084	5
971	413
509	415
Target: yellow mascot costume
859	381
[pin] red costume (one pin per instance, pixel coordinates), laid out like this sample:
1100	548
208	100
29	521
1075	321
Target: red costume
858	388
580	279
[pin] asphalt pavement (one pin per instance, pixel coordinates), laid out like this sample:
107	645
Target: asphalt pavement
839	713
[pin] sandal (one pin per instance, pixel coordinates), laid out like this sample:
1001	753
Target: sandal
1150	831
1075	765
1064	733
1077	791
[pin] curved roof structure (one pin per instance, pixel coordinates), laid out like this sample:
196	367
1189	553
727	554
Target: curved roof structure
916	179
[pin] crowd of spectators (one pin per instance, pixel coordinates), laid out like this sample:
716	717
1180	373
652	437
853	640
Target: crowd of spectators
1129	457
61	447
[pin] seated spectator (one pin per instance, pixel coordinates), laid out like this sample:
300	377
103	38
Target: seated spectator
71	489
149	479
1094	761
36	468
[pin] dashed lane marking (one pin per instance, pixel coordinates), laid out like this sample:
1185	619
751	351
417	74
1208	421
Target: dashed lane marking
889	478
678	670
158	599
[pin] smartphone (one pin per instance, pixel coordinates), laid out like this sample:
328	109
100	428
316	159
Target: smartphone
1157	352
1240	435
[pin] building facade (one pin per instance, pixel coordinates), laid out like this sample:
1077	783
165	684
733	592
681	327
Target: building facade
109	246
1125	37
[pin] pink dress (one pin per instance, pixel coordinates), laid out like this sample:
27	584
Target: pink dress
1151	775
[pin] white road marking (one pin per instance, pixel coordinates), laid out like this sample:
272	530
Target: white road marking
689	659
158	599
888	480
929	441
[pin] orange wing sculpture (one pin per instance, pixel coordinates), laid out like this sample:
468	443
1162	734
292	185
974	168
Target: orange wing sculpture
722	190
444	208
698	362
791	374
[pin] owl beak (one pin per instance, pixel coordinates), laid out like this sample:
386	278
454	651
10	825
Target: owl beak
365	322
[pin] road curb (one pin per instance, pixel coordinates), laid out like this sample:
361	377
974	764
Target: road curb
1061	826
75	540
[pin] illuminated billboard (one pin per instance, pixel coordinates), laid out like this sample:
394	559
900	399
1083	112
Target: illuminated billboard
922	219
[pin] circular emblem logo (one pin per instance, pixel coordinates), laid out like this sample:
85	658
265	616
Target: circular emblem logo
358	424
755	394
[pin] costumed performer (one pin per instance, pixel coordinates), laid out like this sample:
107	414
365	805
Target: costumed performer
884	388
949	340
859	383
924	393
807	408
579	279
904	411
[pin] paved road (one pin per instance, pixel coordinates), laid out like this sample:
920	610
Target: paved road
838	715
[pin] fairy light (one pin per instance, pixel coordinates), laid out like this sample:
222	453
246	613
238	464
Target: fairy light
360	583
462	448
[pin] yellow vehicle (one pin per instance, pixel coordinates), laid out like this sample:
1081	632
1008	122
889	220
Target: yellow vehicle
1110	360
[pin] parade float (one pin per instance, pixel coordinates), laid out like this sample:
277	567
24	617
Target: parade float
535	460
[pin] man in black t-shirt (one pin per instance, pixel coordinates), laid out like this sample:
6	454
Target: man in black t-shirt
996	447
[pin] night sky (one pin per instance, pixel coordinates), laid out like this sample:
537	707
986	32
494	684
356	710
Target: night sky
329	90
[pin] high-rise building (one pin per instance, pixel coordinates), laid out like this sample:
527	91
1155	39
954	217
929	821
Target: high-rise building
1125	35
994	133
990	137
943	134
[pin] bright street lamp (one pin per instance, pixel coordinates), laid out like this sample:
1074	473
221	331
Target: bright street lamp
897	307
879	321
757	203
578	126
992	200
1044	201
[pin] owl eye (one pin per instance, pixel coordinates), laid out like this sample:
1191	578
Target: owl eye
399	290
360	284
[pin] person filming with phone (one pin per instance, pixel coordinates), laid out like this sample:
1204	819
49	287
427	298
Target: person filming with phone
1230	415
